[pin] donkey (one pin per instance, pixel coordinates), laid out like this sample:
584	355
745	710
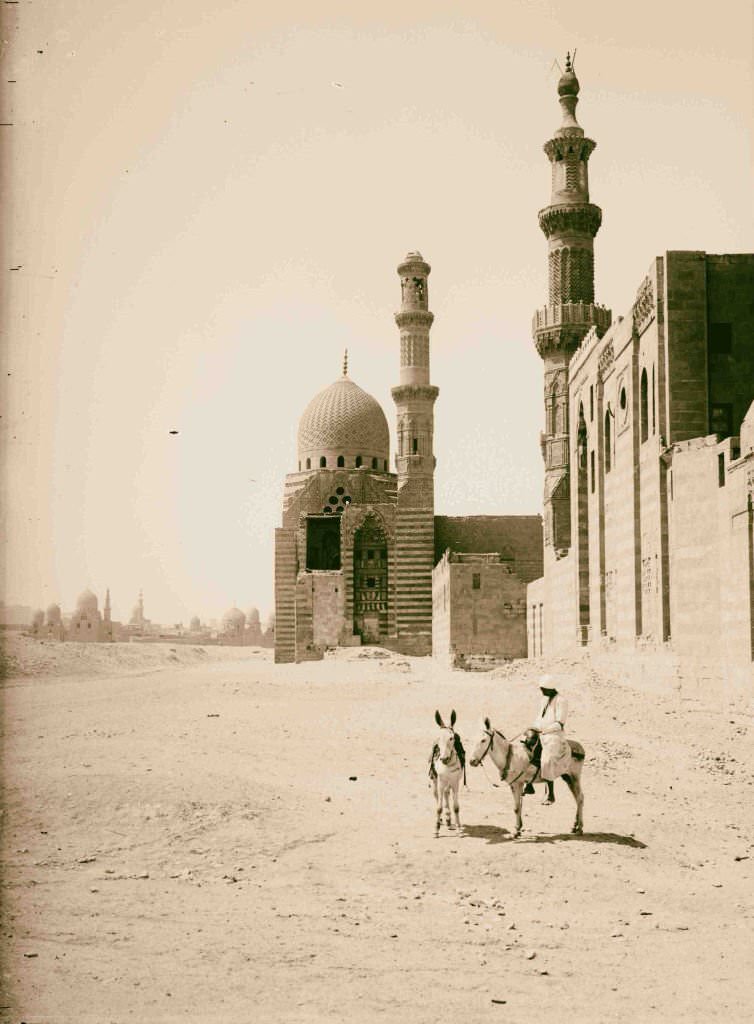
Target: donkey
512	758
446	767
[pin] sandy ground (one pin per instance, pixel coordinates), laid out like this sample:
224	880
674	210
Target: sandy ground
224	840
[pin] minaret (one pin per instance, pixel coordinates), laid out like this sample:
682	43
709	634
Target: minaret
415	461
106	610
569	223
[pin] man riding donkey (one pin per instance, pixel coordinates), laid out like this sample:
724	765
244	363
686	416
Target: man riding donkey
546	740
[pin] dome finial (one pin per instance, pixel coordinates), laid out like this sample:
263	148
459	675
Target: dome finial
568	92
345	363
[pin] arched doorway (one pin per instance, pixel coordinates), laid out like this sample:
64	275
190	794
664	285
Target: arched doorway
370	581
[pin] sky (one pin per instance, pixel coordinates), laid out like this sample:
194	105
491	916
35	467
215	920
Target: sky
205	204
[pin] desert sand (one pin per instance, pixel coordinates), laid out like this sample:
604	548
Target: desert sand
199	835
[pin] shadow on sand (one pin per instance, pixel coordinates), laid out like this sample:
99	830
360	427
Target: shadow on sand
493	835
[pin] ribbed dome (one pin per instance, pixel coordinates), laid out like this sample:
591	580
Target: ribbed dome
343	420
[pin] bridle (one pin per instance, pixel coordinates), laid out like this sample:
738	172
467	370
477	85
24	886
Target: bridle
506	767
453	754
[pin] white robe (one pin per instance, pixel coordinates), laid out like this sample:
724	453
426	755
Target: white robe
555	751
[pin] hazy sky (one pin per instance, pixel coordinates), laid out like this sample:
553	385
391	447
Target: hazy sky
207	204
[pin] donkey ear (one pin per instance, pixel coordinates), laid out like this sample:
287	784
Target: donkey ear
452	718
487	724
438	719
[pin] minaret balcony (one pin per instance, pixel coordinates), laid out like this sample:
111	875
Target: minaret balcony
576	314
570	218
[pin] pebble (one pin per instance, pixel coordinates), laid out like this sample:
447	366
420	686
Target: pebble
530	955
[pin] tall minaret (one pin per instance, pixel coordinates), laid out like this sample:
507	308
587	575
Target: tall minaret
569	223
107	610
415	461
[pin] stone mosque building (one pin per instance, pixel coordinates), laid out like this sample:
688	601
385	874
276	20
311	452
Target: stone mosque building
355	554
648	447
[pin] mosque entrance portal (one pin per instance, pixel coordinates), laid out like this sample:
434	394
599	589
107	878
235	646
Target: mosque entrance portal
370	582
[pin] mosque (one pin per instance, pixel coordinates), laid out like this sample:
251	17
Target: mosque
646	545
648	449
355	554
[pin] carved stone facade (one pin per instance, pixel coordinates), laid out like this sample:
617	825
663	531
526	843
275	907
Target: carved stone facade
661	512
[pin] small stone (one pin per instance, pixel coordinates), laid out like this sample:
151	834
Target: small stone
530	955
30	956
143	874
94	889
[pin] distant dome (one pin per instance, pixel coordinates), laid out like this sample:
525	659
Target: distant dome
87	602
53	615
234	616
253	617
343	420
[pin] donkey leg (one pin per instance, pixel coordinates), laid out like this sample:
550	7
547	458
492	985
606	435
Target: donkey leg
456	810
438	807
574	784
549	793
448	820
518	794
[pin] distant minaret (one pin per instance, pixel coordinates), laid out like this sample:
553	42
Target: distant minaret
569	223
106	610
415	461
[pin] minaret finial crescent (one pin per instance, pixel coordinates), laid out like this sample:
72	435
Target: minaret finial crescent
345	363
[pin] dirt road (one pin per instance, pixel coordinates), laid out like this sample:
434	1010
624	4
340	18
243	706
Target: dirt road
231	841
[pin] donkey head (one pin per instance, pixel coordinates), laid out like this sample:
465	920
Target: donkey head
445	741
483	744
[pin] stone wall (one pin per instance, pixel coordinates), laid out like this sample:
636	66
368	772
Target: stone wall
485	612
660	504
441	610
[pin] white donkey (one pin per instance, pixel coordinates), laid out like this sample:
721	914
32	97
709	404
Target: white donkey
446	768
512	758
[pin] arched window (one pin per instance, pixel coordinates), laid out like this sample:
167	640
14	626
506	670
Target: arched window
654	415
308	463
551	411
644	416
385	465
358	461
608	443
581	440
374	464
322	462
415	446
341	461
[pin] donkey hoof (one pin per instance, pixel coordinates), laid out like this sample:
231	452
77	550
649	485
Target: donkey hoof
577	830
